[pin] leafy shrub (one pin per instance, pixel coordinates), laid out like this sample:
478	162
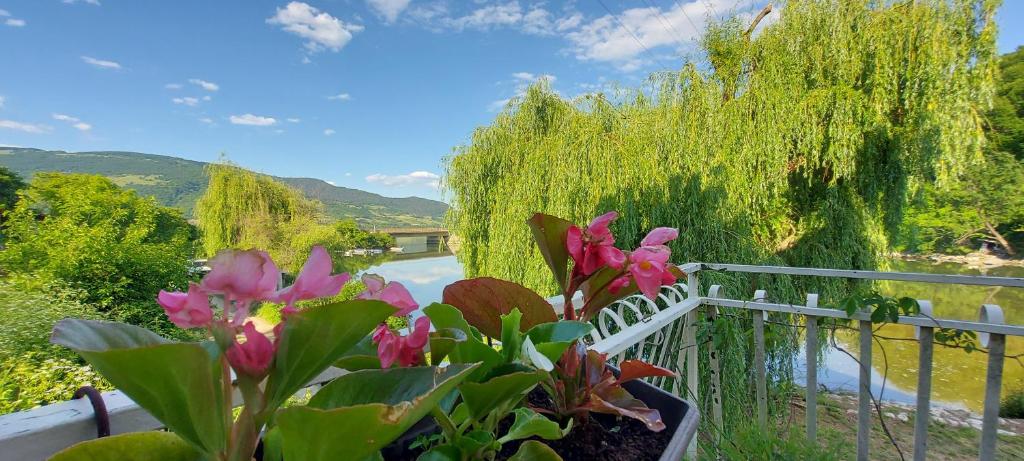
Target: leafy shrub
1013	405
87	233
30	381
28	310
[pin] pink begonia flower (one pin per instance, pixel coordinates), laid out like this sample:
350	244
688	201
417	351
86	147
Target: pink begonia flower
314	281
252	357
618	284
649	268
406	350
242	277
593	248
388	345
393	293
659	236
187	310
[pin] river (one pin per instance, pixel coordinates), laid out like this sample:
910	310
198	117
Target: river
958	376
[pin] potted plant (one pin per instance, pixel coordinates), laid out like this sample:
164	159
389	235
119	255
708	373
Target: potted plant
189	387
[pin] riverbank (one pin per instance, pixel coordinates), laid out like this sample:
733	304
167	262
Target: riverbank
979	260
952	434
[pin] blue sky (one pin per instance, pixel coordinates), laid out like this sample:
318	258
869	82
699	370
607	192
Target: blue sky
369	94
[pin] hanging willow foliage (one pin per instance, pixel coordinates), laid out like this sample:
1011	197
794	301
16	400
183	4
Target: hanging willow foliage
243	209
794	147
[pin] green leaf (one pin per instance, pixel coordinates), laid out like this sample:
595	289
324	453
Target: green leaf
359	413
442	453
529	423
178	383
476	443
362	356
472	350
532	450
552	339
443	341
511	338
549	232
483	300
132	446
315	338
481	398
272	449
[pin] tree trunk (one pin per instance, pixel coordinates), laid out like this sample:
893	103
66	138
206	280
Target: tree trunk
999	237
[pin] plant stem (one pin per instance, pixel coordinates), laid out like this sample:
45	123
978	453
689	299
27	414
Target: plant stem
447	426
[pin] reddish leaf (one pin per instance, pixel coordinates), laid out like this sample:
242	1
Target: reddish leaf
484	300
617	401
633	369
549	233
596	294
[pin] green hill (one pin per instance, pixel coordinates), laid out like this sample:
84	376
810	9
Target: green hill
178	183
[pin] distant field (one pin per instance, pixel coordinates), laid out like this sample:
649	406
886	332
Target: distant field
179	183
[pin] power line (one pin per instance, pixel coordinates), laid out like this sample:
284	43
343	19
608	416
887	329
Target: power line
631	34
696	30
666	22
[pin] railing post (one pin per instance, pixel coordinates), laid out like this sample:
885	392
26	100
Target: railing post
761	385
811	352
692	356
996	344
925	336
715	372
864	393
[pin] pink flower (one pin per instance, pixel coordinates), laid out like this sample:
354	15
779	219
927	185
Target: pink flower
187	310
593	248
314	281
649	268
393	293
406	350
618	284
252	357
659	236
242	277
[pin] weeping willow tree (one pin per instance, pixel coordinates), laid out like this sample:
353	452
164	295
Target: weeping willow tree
796	145
243	209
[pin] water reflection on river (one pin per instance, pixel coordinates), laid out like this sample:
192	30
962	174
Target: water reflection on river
958	377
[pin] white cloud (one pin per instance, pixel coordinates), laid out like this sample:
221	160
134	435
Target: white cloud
173	86
104	64
187	100
331	183
488	17
15	22
617	39
329	132
294	120
4	13
340	97
91	2
321	30
26	127
2	100
534	19
569	22
416	178
206	120
207	98
208	86
253	120
389	9
522	76
348	174
74	121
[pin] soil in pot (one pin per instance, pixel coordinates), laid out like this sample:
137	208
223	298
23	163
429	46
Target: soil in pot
603	438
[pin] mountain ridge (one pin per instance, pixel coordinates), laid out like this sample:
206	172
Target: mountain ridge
178	182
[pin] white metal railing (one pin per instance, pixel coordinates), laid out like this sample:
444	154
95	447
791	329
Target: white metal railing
663	332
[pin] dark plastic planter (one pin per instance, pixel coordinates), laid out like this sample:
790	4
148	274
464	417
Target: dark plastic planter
680	416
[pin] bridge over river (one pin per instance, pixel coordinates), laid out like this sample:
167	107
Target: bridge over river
419	239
